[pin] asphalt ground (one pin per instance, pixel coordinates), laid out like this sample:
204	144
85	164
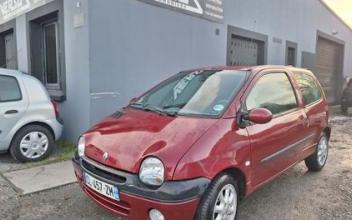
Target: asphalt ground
297	194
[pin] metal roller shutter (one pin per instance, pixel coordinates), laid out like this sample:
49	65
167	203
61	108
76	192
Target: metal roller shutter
243	51
328	67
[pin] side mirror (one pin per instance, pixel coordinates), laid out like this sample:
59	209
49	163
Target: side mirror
260	116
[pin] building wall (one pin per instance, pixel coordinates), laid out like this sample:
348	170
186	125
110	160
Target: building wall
134	45
75	110
115	50
296	21
22	43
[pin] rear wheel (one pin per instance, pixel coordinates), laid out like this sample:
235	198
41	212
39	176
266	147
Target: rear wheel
317	161
32	143
220	201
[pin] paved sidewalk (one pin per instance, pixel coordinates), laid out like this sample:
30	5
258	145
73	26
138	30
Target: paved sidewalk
41	178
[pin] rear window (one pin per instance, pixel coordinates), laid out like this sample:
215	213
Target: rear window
9	89
309	88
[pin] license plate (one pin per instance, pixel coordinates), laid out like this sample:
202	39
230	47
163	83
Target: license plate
101	187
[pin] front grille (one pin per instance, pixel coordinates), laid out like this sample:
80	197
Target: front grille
104	173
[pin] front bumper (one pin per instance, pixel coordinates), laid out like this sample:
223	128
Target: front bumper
175	199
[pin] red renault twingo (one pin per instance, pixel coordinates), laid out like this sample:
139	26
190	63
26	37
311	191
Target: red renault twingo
193	146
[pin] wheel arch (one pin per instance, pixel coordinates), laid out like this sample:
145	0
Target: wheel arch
327	131
239	176
36	123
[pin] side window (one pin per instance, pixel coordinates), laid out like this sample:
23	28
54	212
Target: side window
274	92
309	88
9	89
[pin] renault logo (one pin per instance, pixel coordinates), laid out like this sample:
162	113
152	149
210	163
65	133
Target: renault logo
105	156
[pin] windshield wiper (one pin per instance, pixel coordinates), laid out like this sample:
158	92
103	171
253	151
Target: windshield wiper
158	110
136	104
150	108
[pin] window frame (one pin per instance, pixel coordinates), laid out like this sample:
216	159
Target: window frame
316	83
19	89
53	10
292	86
51	86
292	45
6	28
293	50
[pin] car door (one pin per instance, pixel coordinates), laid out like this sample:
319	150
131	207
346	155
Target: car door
12	105
274	145
315	107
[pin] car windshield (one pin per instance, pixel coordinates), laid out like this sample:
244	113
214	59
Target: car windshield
202	93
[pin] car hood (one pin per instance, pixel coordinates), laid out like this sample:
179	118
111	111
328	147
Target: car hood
130	136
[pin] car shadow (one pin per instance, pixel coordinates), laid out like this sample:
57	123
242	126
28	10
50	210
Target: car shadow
7	163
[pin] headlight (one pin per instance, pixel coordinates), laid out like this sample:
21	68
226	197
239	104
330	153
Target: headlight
81	146
152	172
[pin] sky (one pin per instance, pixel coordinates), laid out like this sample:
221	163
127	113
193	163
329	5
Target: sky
343	8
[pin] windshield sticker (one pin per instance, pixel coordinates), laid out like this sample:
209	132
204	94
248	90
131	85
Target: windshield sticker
183	83
218	108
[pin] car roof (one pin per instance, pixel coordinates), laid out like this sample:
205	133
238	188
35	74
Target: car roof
254	69
9	72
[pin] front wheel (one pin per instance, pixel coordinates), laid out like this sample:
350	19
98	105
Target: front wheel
220	201
317	161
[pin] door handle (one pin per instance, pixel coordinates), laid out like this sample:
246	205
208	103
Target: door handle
11	112
305	120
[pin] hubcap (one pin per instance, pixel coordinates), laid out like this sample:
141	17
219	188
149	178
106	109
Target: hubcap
34	145
226	204
322	151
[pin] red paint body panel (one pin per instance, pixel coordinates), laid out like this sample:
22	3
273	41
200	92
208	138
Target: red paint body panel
222	147
198	147
138	134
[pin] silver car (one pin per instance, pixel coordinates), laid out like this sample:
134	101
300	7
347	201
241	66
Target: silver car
29	120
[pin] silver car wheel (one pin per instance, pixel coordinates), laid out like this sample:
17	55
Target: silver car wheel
322	151
34	145
226	204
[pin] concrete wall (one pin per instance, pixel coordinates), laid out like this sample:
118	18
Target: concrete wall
75	110
22	43
134	45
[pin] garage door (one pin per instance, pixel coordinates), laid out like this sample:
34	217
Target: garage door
244	51
329	56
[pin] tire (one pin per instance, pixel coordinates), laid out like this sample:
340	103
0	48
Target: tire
29	136
314	162
206	207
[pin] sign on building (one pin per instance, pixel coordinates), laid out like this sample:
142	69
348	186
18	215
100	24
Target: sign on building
9	9
208	9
